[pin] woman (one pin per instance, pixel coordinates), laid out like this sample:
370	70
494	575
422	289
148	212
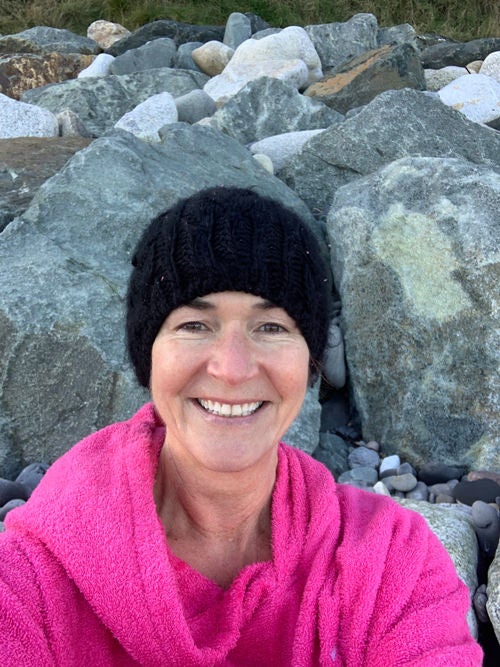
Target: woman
189	535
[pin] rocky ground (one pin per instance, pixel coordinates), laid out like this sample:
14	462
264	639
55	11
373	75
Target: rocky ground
385	141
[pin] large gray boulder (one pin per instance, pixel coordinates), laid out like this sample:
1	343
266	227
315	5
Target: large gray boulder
358	82
453	526
395	124
458	53
266	107
43	39
415	259
160	52
337	43
64	266
101	101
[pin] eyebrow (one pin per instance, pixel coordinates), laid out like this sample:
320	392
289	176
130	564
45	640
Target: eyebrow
200	303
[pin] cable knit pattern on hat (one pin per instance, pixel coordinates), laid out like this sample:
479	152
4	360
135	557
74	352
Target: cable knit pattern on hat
226	239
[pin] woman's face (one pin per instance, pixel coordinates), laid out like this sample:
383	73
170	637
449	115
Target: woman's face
228	376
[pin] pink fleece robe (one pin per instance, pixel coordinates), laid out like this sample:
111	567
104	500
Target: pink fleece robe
87	577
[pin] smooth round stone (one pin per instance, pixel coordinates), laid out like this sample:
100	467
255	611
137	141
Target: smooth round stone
420	492
481	489
434	473
406	467
486	520
11	490
365	474
381	489
373	444
403	483
264	161
345	477
479	600
389	463
31	475
441	488
444	498
362	456
12	504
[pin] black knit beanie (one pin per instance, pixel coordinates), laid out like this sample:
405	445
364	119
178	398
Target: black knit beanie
226	239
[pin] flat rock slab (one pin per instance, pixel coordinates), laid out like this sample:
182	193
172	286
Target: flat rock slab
26	163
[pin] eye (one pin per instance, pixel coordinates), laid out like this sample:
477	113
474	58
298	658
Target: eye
272	327
192	326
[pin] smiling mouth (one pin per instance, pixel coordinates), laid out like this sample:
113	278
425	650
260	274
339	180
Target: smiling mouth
229	410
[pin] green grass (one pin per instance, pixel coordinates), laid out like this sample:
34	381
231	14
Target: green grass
453	18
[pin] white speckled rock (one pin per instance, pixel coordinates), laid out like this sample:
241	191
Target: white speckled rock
491	66
212	57
381	489
18	119
280	148
106	33
265	161
290	44
99	67
435	79
235	77
147	118
391	462
474	66
477	96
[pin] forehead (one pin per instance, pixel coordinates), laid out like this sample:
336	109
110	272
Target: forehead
238	300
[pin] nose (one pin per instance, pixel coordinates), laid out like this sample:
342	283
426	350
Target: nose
233	359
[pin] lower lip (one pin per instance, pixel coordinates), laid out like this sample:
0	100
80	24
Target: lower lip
228	420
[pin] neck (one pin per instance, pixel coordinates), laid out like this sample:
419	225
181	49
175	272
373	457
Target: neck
218	522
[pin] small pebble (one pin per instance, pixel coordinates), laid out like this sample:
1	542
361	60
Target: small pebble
12	504
486	522
442	488
390	462
381	489
362	456
444	498
10	490
365	474
373	444
31	475
406	467
403	483
481	489
434	473
420	492
479	600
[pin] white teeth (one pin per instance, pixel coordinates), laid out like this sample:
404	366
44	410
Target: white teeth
228	410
